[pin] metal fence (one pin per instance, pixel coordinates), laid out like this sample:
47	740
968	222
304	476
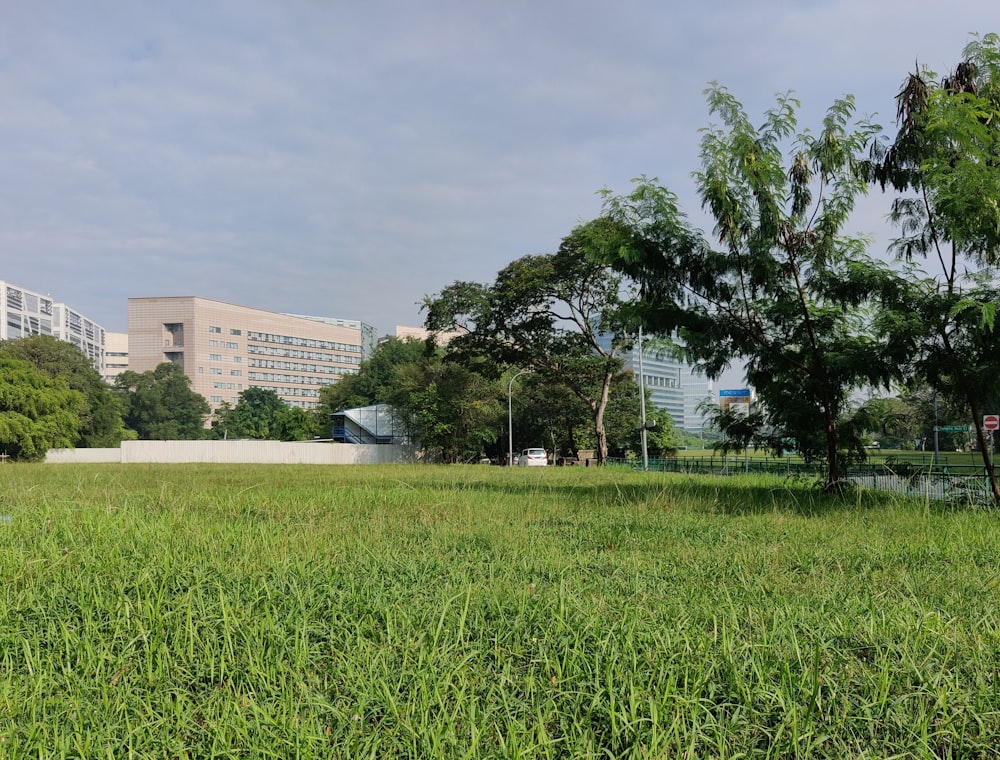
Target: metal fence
958	483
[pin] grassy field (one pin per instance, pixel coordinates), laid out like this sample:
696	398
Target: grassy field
472	612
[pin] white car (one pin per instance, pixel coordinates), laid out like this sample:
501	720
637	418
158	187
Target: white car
533	458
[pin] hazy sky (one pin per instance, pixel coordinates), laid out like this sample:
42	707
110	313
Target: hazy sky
349	158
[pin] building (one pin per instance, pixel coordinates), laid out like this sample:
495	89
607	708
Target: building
673	385
404	332
25	312
697	392
115	355
663	376
225	349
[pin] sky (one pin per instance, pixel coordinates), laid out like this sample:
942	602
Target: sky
349	159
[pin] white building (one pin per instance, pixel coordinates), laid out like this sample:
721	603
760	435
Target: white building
26	312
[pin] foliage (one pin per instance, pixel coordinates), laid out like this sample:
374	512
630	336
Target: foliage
450	408
261	414
559	315
37	412
661	436
944	163
786	294
160	405
375	381
101	418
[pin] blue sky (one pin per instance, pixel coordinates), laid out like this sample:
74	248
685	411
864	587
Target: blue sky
349	158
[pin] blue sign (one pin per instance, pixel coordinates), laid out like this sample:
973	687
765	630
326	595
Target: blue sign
735	392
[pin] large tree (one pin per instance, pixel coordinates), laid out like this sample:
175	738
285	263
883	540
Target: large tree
783	292
160	405
375	380
558	315
37	412
448	406
100	418
944	163
255	416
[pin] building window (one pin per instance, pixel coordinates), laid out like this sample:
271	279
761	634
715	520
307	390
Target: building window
216	371
215	357
237	360
216	399
235	332
232	345
212	329
236	372
201	370
213	344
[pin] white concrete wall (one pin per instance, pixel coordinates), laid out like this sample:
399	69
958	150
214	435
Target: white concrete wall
83	456
236	452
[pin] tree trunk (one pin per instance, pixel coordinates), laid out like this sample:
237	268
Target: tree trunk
832	457
984	446
599	409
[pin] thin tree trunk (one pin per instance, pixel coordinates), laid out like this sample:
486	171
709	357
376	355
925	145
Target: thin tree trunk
599	409
832	456
984	446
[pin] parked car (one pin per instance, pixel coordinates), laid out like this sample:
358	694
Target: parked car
533	458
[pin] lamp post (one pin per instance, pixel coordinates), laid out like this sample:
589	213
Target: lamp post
510	418
642	408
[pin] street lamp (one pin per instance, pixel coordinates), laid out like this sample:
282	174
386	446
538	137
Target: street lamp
642	408
510	419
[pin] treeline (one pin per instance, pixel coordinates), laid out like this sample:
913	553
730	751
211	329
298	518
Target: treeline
52	397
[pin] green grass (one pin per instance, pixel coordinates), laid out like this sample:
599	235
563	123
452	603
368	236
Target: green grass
472	611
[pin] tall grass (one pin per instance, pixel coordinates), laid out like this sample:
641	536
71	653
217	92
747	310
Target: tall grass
472	612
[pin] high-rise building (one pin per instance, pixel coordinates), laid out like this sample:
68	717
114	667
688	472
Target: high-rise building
673	384
26	312
225	349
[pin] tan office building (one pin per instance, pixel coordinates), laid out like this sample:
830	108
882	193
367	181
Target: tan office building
225	349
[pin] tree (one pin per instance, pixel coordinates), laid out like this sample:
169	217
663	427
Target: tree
786	292
37	412
293	423
945	164
160	405
661	436
375	381
254	415
449	407
100	418
556	314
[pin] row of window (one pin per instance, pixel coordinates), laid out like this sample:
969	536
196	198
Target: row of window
271	377
223	344
23	301
300	367
658	381
291	340
228	386
288	391
218	371
29	324
218	330
292	353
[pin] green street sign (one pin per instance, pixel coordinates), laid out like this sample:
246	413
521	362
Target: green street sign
953	428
